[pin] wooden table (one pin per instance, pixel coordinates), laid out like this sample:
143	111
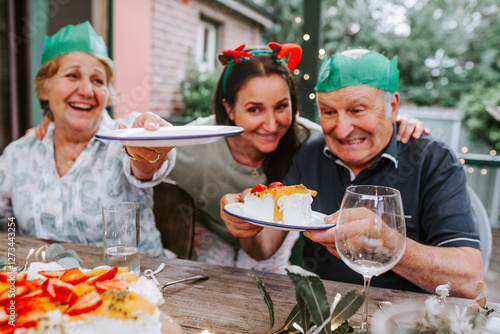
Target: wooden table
229	301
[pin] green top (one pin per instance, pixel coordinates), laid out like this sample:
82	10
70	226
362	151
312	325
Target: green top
74	38
371	69
208	171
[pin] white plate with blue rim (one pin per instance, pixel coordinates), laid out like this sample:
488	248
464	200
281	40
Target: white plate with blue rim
318	223
170	135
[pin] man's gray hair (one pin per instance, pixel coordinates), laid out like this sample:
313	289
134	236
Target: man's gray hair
388	97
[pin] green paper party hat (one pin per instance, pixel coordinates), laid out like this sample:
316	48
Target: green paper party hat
372	69
72	38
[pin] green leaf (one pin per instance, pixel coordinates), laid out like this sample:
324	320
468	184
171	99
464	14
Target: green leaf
53	251
68	263
66	254
267	298
343	329
311	291
292	317
305	315
347	306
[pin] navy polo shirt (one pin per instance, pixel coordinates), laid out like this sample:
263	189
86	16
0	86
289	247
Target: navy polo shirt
432	183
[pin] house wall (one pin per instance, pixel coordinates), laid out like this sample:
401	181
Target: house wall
132	48
174	33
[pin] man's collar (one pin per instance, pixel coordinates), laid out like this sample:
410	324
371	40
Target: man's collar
391	152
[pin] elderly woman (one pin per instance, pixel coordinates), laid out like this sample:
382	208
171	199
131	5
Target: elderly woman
54	188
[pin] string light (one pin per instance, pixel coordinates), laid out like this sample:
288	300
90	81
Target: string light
321	53
306	76
484	171
312	96
306	37
493	153
465	149
298	20
470	170
462	160
296	71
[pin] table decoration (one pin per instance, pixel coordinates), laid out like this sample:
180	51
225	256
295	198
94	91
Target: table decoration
66	258
313	314
437	315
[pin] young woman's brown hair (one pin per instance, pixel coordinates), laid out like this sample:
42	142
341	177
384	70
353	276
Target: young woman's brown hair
276	164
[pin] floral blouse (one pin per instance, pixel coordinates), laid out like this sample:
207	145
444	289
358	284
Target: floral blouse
68	208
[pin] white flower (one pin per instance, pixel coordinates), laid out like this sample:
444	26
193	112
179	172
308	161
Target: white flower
432	306
460	322
443	291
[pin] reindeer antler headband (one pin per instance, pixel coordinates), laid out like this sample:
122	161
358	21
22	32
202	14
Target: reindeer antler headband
232	57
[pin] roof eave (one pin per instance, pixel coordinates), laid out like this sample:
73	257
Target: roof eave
250	10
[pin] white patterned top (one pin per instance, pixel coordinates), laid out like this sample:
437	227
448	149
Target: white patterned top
68	208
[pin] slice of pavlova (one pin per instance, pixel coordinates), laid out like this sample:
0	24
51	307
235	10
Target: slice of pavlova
50	299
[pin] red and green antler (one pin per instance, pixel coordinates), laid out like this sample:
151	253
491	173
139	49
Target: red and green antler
283	50
238	54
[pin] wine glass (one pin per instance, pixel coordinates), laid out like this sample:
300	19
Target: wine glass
370	235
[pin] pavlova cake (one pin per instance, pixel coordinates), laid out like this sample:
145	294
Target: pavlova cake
288	205
49	299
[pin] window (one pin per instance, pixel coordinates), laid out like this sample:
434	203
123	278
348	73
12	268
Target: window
206	46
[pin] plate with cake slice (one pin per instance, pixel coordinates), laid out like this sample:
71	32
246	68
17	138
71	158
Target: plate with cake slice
314	223
279	206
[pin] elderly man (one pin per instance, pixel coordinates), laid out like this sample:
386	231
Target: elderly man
358	103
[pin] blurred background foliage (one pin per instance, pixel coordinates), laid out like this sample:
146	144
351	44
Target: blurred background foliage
197	91
448	50
481	124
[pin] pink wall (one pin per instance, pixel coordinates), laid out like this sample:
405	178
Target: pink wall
132	47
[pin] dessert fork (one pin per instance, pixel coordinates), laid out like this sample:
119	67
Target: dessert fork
194	278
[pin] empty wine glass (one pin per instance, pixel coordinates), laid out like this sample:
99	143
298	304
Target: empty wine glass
370	234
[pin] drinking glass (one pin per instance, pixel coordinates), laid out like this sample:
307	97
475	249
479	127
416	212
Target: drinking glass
370	235
121	237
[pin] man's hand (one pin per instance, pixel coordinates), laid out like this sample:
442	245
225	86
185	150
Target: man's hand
361	230
325	237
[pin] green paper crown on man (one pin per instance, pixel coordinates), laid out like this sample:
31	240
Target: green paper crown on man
371	68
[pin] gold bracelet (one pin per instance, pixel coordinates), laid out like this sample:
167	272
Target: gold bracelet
155	160
128	154
134	159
